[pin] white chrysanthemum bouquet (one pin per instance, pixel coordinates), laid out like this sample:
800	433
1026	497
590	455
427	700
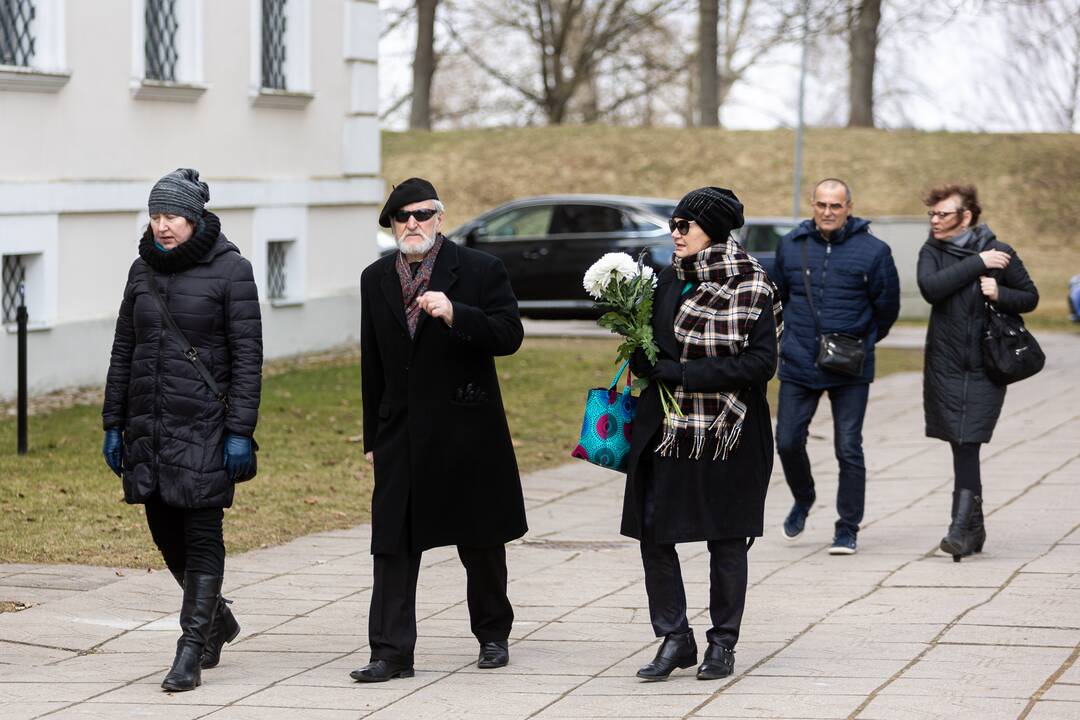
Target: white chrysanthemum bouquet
623	289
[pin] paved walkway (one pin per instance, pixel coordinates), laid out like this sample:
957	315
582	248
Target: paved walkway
894	632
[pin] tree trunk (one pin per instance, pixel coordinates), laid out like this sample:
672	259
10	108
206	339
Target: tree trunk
423	65
862	43
708	80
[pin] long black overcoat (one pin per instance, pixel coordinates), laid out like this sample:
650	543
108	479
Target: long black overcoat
174	428
445	471
703	499
960	403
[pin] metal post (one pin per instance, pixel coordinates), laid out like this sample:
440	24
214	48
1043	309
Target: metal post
797	185
20	319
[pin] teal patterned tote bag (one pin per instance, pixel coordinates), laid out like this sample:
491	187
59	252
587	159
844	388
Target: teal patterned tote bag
605	431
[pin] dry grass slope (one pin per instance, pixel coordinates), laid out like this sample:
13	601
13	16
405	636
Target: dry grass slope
1030	184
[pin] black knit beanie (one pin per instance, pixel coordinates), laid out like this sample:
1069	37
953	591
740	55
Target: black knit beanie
715	209
180	193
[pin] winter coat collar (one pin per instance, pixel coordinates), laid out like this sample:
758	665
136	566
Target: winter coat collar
984	236
853	226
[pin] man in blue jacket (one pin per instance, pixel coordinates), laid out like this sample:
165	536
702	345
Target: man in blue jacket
854	290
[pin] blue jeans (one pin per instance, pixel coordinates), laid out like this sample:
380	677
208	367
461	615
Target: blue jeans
795	410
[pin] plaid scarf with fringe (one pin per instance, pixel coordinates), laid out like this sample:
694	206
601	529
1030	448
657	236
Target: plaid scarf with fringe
413	286
714	320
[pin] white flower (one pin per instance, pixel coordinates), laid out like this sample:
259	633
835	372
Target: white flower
649	274
612	266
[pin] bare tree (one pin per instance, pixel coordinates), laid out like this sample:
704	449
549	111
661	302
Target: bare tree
1042	87
567	39
424	62
863	44
708	77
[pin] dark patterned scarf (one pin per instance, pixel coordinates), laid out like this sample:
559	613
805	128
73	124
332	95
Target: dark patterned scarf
413	286
186	254
714	320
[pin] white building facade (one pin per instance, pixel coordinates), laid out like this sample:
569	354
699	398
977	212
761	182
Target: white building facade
273	101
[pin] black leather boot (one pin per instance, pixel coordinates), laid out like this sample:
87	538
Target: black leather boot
719	662
493	654
381	671
978	526
196	620
960	541
225	630
677	651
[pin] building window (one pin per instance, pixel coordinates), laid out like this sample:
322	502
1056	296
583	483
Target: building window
274	22
16	32
277	280
13	280
159	45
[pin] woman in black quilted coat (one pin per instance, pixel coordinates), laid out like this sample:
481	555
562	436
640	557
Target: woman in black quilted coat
179	448
962	266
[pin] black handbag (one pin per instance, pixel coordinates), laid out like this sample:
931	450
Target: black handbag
841	353
193	355
1010	352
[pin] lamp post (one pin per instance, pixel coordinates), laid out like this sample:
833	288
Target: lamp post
797	185
20	320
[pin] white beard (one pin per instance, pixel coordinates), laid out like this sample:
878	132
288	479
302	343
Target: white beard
413	247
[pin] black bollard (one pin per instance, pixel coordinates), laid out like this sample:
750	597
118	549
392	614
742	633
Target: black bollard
20	319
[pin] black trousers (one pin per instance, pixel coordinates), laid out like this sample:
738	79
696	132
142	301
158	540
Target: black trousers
967	474
392	618
189	540
727	589
664	583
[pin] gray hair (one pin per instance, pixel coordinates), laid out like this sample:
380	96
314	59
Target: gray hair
439	206
833	181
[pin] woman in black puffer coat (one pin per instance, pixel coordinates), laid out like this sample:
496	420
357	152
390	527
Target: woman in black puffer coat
962	267
178	447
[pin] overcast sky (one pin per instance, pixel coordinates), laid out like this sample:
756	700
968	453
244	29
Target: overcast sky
942	76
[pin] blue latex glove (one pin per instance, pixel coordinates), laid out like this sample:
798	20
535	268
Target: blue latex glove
237	456
113	450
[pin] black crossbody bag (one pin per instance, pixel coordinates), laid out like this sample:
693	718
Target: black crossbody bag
193	356
838	352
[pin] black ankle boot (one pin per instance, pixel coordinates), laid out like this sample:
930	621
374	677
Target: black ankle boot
196	620
677	651
225	630
719	662
978	526
960	541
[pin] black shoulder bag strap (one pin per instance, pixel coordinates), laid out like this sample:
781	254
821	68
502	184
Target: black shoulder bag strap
188	349
806	284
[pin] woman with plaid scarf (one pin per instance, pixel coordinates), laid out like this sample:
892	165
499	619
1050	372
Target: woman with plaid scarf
702	474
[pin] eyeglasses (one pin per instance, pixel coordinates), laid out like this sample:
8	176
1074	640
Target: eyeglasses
683	226
835	207
942	214
421	215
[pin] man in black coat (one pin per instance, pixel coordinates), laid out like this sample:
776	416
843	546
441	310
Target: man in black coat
853	290
433	318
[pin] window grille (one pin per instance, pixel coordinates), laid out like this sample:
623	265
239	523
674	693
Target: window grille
161	36
273	44
275	268
14	275
16	38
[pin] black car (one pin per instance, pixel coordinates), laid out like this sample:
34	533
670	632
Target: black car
547	243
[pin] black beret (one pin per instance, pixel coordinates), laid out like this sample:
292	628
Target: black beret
715	209
405	193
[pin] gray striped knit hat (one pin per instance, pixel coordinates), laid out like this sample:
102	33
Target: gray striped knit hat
715	209
180	193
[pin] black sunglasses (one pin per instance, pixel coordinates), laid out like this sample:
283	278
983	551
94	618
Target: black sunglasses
683	226
421	215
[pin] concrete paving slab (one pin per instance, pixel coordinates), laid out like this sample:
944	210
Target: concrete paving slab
893	632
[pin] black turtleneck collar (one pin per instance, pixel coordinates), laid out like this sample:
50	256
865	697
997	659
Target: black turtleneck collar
186	254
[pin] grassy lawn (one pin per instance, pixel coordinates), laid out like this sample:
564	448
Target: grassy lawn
1029	184
60	504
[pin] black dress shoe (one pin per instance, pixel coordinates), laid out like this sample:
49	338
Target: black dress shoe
677	651
719	663
493	654
381	671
